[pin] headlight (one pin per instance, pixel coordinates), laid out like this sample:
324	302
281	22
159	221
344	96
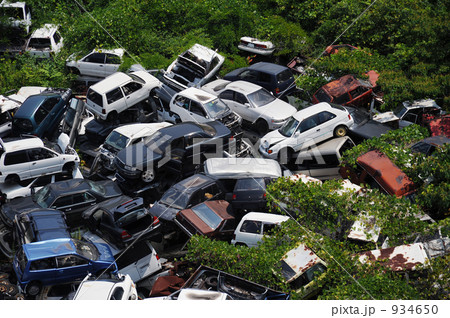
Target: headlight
130	168
278	121
265	144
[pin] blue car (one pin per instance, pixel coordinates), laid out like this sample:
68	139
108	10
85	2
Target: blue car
41	114
60	261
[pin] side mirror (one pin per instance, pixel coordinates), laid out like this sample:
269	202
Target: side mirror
297	133
247	105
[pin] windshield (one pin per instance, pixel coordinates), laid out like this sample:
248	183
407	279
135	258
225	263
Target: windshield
400	111
137	78
289	127
207	215
261	98
44	197
117	140
129	218
86	249
216	107
174	199
97	188
158	142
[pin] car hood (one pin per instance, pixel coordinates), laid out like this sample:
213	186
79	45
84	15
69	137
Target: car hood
370	129
105	252
163	212
112	189
17	206
272	138
138	156
277	110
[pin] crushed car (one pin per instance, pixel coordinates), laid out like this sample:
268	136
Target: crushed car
256	46
45	42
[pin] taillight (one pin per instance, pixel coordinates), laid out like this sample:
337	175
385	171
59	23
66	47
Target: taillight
125	235
155	220
277	90
157	256
264	196
234	197
261	46
349	117
234	236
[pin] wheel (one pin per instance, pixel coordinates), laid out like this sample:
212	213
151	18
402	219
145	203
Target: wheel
12	179
340	131
241	244
261	127
285	155
112	116
33	288
148	176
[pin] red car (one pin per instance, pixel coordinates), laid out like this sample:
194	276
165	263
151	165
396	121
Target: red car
333	49
348	90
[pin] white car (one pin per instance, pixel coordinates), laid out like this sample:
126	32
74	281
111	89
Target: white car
125	136
194	104
28	158
118	92
254	225
45	41
98	63
121	287
194	67
253	103
18	14
306	128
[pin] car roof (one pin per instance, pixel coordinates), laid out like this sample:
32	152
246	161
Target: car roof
268	67
112	81
311	110
436	140
421	103
194	182
45	32
265	217
119	52
140	129
21	143
69	186
96	290
222	168
204	52
49	248
342	85
298	260
181	129
197	94
243	87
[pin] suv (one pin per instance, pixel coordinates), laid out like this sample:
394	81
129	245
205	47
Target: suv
98	63
124	136
254	226
253	103
176	148
311	125
193	104
118	92
41	114
59	261
193	67
348	90
70	196
26	158
275	78
44	42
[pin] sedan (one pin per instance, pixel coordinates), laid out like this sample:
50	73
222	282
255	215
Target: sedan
307	127
253	103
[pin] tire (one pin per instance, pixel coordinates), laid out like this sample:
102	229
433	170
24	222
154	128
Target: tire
148	176
285	155
241	244
12	179
261	127
33	288
74	70
340	131
112	116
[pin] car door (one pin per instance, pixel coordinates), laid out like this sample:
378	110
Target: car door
16	162
134	93
71	267
93	65
239	103
115	101
5	124
43	161
250	232
43	270
180	106
325	125
112	63
108	227
305	133
197	112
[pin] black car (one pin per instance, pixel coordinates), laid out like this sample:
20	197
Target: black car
250	194
122	220
187	193
171	153
364	127
275	78
428	145
70	196
34	226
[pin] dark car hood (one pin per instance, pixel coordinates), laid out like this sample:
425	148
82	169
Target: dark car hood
17	206
138	155
370	129
112	189
163	212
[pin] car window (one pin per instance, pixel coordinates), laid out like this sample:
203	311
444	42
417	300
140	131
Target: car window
40	154
56	37
322	96
42	181
240	98
211	191
208	216
264	77
250	226
112	59
133	254
197	197
131	88
197	109
117	293
250	184
228	94
70	260
410	117
323	117
63	201
39	43
249	75
16	157
228	225
82	198
5	117
107	219
348	144
268	227
43	264
307	124
342	99
114	95
95	97
95	58
261	97
358	91
182	102
284	76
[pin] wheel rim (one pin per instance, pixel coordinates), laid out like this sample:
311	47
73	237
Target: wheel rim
341	131
33	289
148	176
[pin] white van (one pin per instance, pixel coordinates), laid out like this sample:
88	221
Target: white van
45	41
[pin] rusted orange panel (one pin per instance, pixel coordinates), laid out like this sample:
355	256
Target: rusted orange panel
386	173
342	85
